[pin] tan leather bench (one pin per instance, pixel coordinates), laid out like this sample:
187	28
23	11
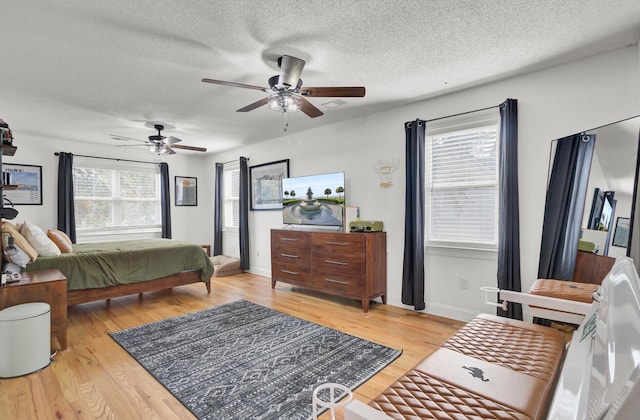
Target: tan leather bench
493	368
561	289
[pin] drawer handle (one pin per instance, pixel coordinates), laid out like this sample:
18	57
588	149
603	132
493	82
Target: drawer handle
290	255
337	243
336	281
336	262
295	273
289	239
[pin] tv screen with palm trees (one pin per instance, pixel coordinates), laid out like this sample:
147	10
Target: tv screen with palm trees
314	200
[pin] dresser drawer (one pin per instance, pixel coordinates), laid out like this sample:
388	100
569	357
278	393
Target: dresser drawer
340	284
345	263
340	243
295	239
291	255
291	273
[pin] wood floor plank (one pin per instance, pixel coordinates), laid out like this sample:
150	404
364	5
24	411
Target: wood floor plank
96	378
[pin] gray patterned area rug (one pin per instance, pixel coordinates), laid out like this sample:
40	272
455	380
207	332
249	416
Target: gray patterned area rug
244	361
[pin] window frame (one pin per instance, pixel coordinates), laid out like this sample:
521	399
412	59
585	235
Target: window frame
118	232
460	124
229	198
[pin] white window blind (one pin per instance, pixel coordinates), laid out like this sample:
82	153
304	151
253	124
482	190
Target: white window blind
231	194
119	198
462	187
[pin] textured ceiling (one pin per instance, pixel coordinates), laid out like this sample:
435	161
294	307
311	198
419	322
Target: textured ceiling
85	69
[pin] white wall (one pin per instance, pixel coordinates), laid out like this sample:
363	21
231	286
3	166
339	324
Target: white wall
552	103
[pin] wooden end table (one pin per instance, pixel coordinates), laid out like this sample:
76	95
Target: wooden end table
49	286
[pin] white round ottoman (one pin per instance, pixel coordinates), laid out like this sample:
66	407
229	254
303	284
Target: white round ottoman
25	339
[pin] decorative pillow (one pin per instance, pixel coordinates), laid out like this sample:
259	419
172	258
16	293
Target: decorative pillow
39	240
61	240
26	253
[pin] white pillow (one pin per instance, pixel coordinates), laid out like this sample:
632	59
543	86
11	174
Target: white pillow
39	240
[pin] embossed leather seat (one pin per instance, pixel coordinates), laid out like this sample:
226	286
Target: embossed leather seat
493	368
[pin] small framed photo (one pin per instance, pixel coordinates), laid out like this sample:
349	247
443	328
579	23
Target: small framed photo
621	234
186	191
266	184
25	184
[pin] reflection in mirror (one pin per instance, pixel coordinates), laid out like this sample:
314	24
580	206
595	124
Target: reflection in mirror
604	205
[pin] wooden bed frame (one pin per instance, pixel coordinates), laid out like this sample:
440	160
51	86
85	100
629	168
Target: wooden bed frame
75	297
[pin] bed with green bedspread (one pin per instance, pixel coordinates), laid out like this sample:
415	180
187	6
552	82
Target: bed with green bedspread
108	264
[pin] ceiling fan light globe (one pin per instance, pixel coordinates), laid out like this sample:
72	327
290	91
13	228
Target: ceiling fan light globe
285	102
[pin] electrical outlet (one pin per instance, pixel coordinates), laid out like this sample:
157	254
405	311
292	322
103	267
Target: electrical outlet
464	282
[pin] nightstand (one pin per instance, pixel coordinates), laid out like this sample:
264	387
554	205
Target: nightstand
49	286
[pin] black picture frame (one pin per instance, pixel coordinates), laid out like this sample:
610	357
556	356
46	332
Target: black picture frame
186	191
621	233
22	184
265	184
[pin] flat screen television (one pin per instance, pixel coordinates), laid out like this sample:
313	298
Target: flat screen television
313	200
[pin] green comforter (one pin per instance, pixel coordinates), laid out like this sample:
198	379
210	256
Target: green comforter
104	264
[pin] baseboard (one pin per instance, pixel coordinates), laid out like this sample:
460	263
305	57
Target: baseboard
439	309
260	272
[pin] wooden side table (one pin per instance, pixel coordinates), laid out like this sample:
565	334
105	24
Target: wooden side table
49	286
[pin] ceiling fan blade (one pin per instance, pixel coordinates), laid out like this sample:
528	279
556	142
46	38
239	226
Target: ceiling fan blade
194	148
171	140
354	92
123	138
234	84
254	105
310	109
290	70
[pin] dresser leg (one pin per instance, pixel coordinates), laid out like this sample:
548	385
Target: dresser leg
365	305
273	284
384	299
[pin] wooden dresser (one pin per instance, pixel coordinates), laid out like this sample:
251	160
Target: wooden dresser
344	264
592	268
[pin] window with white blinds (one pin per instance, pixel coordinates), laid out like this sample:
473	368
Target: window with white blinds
462	187
231	194
116	199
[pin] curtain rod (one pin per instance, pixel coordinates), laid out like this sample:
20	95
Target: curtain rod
231	161
464	113
106	158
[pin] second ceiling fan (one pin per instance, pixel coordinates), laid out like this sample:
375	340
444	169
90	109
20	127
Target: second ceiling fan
286	91
159	144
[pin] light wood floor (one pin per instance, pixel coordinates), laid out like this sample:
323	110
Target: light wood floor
96	379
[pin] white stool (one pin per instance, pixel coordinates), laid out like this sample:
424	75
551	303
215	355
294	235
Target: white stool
331	403
25	339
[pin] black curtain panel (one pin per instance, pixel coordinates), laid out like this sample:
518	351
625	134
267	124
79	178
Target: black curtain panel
66	207
564	206
217	211
165	200
508	207
413	264
244	214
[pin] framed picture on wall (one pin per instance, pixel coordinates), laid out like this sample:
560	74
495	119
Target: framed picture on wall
265	184
621	234
25	184
186	191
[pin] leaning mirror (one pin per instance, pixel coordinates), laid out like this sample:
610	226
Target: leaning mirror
590	200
